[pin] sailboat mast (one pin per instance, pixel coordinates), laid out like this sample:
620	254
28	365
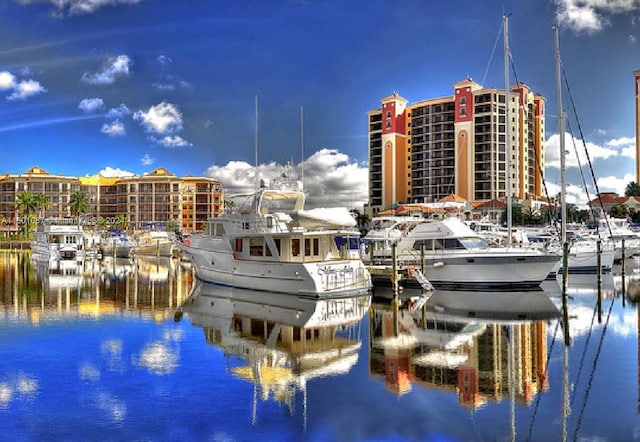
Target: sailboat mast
507	144
302	145
256	142
563	171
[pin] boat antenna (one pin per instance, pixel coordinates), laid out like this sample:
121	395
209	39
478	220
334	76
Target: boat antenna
256	137
302	145
507	144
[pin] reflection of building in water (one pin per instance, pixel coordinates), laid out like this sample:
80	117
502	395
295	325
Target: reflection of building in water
282	341
460	353
150	289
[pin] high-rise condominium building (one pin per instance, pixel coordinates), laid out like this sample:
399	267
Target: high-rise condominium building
429	149
156	197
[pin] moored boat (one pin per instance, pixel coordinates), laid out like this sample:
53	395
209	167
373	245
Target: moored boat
451	255
261	245
154	243
59	240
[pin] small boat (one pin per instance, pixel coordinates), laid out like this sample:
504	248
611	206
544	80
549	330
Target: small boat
117	244
154	243
58	241
267	241
451	255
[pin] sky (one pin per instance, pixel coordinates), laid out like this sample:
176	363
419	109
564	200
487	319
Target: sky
206	87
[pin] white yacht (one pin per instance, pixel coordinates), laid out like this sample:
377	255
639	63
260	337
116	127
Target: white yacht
58	241
117	244
269	242
154	243
451	255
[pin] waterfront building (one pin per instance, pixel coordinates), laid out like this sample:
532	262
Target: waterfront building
156	197
423	151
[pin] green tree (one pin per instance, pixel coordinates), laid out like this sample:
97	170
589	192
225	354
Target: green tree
27	205
78	204
42	203
363	221
632	189
618	211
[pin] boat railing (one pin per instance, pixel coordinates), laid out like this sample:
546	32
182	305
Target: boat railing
344	277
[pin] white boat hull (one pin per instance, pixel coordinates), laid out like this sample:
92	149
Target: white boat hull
341	277
491	270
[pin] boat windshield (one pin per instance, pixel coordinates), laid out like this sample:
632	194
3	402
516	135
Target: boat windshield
473	243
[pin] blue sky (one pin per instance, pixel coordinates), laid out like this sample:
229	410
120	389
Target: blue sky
125	86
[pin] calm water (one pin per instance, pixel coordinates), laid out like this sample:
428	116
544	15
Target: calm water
120	350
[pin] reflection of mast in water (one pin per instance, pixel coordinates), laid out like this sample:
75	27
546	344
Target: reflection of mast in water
283	341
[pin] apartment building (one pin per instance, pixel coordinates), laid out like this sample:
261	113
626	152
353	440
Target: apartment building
424	151
156	197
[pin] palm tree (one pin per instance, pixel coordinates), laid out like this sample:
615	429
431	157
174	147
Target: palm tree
26	203
78	204
42	203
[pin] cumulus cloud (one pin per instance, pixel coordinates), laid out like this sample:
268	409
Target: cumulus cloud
591	16
163	118
614	183
26	89
7	81
172	141
572	144
117	172
119	112
89	105
330	178
79	7
147	160
111	70
114	129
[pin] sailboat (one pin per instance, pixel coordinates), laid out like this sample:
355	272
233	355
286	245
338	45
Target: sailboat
585	254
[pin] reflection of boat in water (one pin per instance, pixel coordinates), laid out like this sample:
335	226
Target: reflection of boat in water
459	341
117	269
283	340
154	269
59	273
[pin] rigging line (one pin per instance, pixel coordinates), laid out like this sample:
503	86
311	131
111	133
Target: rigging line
584	183
495	44
584	352
593	370
546	372
575	114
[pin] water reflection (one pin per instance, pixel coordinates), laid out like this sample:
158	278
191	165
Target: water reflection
279	342
36	289
461	342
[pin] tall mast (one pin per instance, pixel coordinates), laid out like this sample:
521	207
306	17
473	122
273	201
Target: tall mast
563	177
507	144
256	142
302	145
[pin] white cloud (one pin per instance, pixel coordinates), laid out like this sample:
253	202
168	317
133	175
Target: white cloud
114	129
117	172
147	160
173	141
331	178
91	105
632	39
615	184
80	7
163	118
118	112
7	81
26	89
571	145
575	195
590	15
113	68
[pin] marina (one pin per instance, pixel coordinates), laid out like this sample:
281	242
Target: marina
123	348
